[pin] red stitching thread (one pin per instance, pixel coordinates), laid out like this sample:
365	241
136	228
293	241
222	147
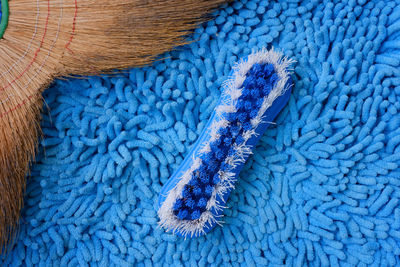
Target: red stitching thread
17	106
37	51
36	54
73	28
72	36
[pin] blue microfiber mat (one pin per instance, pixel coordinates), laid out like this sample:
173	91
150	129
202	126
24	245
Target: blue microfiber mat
322	187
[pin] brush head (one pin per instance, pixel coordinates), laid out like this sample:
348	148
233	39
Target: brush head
44	39
192	201
259	82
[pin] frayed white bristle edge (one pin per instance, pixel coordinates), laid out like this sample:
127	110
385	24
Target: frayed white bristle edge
232	87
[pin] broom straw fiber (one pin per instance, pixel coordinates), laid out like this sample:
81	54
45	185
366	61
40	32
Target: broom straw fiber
51	38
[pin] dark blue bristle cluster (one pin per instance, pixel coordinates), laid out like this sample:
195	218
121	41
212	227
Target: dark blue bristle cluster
259	82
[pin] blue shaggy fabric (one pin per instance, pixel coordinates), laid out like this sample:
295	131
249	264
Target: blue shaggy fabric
323	185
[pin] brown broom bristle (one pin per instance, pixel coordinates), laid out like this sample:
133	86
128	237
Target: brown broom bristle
49	38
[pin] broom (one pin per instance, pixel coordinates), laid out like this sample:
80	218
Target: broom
44	39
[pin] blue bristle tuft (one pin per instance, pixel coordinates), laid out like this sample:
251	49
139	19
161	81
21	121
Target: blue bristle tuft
208	191
193	183
231	116
235	129
268	69
228	140
202	203
212	166
255	93
190	203
182	214
186	192
178	204
267	89
239	140
223	131
248	105
204	179
255	70
195	215
231	152
253	113
224	166
242	117
216	179
247	126
219	155
197	190
273	79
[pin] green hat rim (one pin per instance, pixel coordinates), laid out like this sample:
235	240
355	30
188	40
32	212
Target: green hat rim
4	17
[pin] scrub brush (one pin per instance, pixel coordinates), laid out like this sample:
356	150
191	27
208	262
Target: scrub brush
192	201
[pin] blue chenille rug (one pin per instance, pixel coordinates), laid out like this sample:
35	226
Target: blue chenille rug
323	185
